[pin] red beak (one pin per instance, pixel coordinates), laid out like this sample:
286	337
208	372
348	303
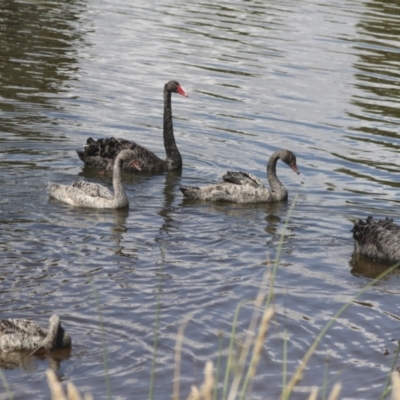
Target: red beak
295	169
181	91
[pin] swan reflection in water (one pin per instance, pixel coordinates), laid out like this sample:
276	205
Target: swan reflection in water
367	268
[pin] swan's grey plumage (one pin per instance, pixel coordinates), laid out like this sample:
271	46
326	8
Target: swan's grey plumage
102	153
22	334
242	187
93	195
378	240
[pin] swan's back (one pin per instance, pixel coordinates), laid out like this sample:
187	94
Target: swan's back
93	189
378	240
102	153
242	178
228	192
75	196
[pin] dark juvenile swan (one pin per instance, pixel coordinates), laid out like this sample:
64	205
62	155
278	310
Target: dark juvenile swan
378	240
242	187
102	153
86	194
22	334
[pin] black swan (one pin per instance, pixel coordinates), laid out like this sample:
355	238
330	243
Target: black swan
22	334
242	187
102	153
378	240
93	195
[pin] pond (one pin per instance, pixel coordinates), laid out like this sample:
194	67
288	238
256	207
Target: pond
319	79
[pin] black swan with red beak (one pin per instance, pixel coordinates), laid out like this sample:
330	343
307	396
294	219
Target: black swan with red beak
102	153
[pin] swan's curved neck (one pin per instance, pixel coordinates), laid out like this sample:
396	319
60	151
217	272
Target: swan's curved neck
278	190
49	342
120	197
174	159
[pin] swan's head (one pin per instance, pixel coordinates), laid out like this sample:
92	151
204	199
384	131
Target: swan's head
175	87
290	159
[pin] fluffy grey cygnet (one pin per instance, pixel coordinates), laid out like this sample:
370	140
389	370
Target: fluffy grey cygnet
242	187
93	195
22	334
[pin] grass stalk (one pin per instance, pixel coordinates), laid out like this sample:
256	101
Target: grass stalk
178	351
395	386
230	349
6	385
57	392
268	301
103	341
248	340
386	388
284	367
208	385
287	391
325	382
103	336
278	252
262	331
313	394
218	368
155	342
334	395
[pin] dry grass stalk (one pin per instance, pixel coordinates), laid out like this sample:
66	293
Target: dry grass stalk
57	392
268	314
178	350
253	322
314	393
249	338
208	385
206	392
334	395
56	389
194	394
395	386
72	392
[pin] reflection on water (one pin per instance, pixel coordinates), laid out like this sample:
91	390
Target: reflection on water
362	266
29	363
376	74
318	79
39	56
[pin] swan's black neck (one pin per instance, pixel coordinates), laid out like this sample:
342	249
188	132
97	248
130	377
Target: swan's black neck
174	159
277	187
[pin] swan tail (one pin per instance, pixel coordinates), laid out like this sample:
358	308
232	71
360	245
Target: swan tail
51	187
102	153
191	192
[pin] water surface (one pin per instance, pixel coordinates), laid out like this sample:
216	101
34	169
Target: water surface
320	79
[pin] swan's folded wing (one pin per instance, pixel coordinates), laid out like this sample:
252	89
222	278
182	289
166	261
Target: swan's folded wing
20	326
93	189
107	147
242	178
